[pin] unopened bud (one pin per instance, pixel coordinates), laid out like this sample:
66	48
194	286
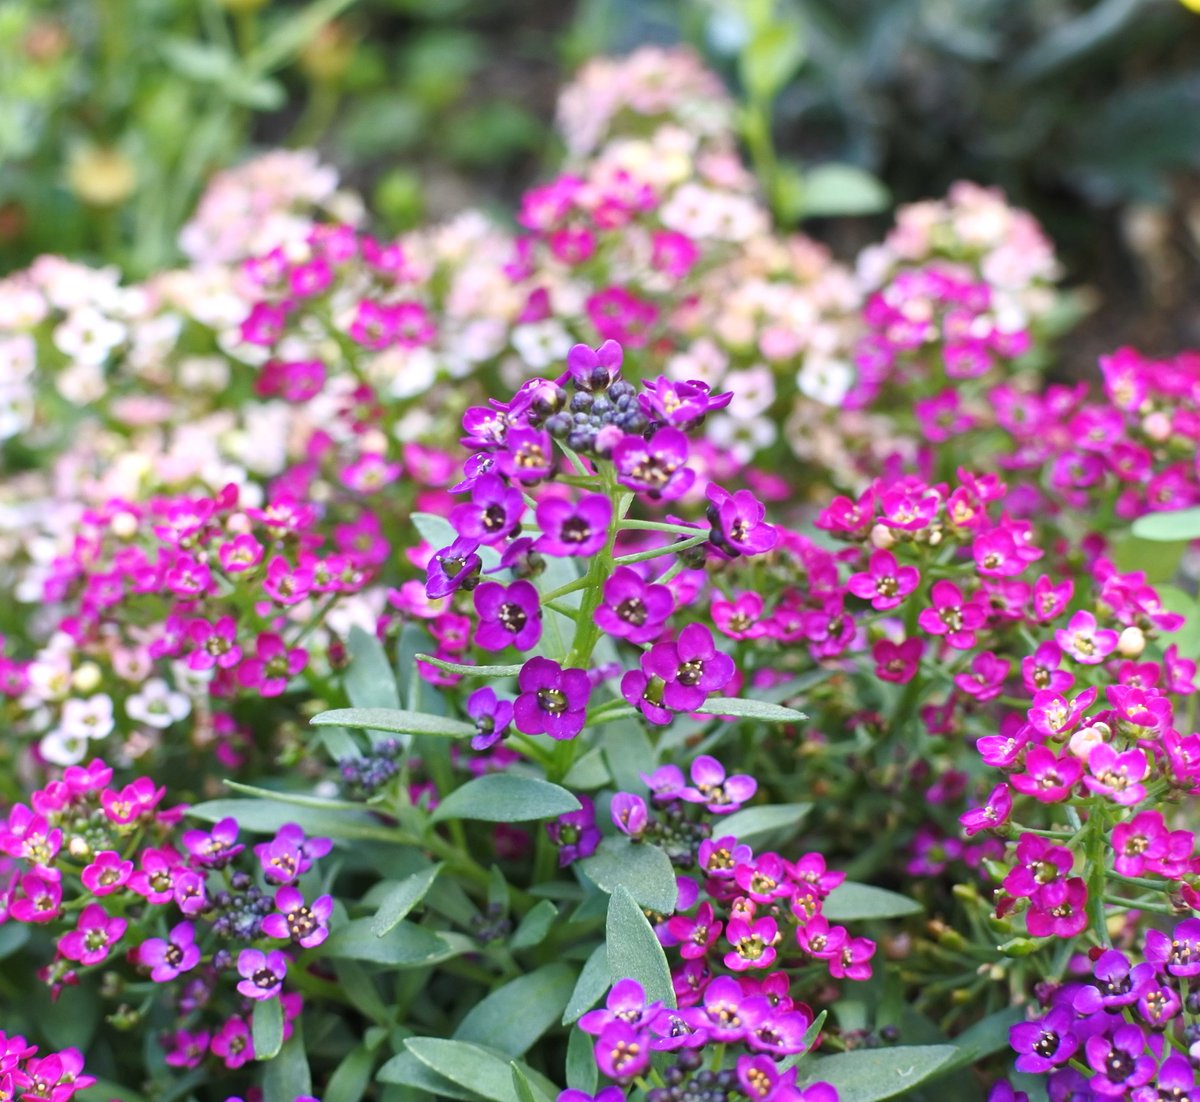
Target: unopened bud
1157	426
1084	741
882	537
87	678
1131	643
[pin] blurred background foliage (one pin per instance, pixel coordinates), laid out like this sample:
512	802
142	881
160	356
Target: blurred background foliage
113	113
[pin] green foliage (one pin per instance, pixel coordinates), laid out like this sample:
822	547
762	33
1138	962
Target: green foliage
633	949
506	798
884	1073
850	902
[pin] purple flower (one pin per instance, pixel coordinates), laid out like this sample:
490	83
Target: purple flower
665	783
655	467
626	1003
595	369
673	1031
167	958
1117	983
994	813
573	528
1044	1044
296	920
452	568
1178	952
606	1094
1175	1080
691	668
1117	775
623	1052
737	522
575	833
646	694
289	855
682	404
1120	1060
721	1013
216	848
629	814
508	617
633	608
712	788
553	701
492	717
262	973
885	583
1004	1092
95	934
493	512
1085	641
528	454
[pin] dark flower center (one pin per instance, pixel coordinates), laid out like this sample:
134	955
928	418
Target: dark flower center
576	530
633	611
553	701
494	517
689	673
265	978
512	617
301	922
174	955
1047	1045
1119	1065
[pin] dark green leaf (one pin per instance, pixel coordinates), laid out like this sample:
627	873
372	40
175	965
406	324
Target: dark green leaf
266	1026
402	899
288	1076
582	1073
13	936
641	867
404	946
534	926
524	1089
1179	524
408	1071
395	721
470	671
592	983
506	798
104	1091
753	824
741	708
267	816
368	679
514	1016
475	1067
871	1076
987	1036
352	1076
634	951
850	902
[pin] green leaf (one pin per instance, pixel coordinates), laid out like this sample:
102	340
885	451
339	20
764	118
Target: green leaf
741	708
771	58
469	671
405	945
368	679
506	798
295	799
475	1067
871	1076
642	868
525	1090
634	951
395	721
986	1037
582	1073
837	189
589	772
534	926
753	824
849	902
1187	638
592	983
103	1090
513	1017
266	1027
408	1071
1180	524
13	936
351	1077
402	899
628	752
1158	559
267	816
288	1075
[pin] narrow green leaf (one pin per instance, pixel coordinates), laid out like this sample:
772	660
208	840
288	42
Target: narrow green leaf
288	1075
634	951
296	799
592	983
406	1070
266	1027
849	902
506	798
469	671
628	752
839	189
771	58
872	1076
368	679
589	772
582	1073
514	1016
753	824
521	1084
741	708
351	1077
640	867
394	720
475	1067
267	816
986	1037
404	946
534	926
1179	524
402	899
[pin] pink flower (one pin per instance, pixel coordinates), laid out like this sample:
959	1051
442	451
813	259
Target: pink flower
952	615
94	936
885	584
40	899
1039	862
1084	641
994	813
1117	776
753	943
897	662
169	957
262	973
1058	909
273	665
986	678
1047	778
106	873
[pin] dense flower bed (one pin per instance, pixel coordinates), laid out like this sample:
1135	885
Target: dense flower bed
634	656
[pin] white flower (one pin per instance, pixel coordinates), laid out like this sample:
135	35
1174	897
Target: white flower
91	718
541	343
87	336
825	381
753	391
59	748
742	439
157	705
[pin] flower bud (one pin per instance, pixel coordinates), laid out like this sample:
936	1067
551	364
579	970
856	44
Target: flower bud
87	678
1157	426
1084	741
882	537
1131	642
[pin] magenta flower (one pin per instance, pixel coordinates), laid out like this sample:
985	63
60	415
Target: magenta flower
1040	671
885	583
997	554
243	552
818	939
1177	952
622	1051
1051	714
711	787
215	644
681	404
1120	1061
273	665
285	584
233	1043
106	873
1047	778
762	1081
553	701
1039	862
492	717
40	899
1140	842
214	848
1058	909
629	814
656	467
595	369
1085	641
1119	983
528	454
289	855
297	921
262	973
753	943
169	957
575	833
1117	776
737	522
908	508
986	677
94	936
741	618
573	528
695	936
509	616
897	662
952	615
854	961
994	813
690	668
453	568
493	513
633	608
1044	1045
626	1002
